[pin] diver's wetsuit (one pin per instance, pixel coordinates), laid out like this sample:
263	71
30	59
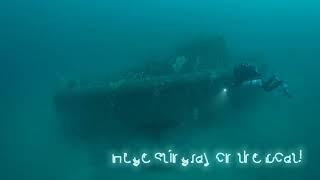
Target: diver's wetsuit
248	75
245	72
272	83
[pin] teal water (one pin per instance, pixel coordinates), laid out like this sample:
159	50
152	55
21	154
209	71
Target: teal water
42	42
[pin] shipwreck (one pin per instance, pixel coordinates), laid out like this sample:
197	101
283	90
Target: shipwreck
151	100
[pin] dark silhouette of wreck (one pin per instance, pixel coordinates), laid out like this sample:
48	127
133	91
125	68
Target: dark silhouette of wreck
149	100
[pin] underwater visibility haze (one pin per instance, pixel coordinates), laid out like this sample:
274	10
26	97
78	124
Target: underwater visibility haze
80	79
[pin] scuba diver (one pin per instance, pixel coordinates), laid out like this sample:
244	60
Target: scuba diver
248	75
